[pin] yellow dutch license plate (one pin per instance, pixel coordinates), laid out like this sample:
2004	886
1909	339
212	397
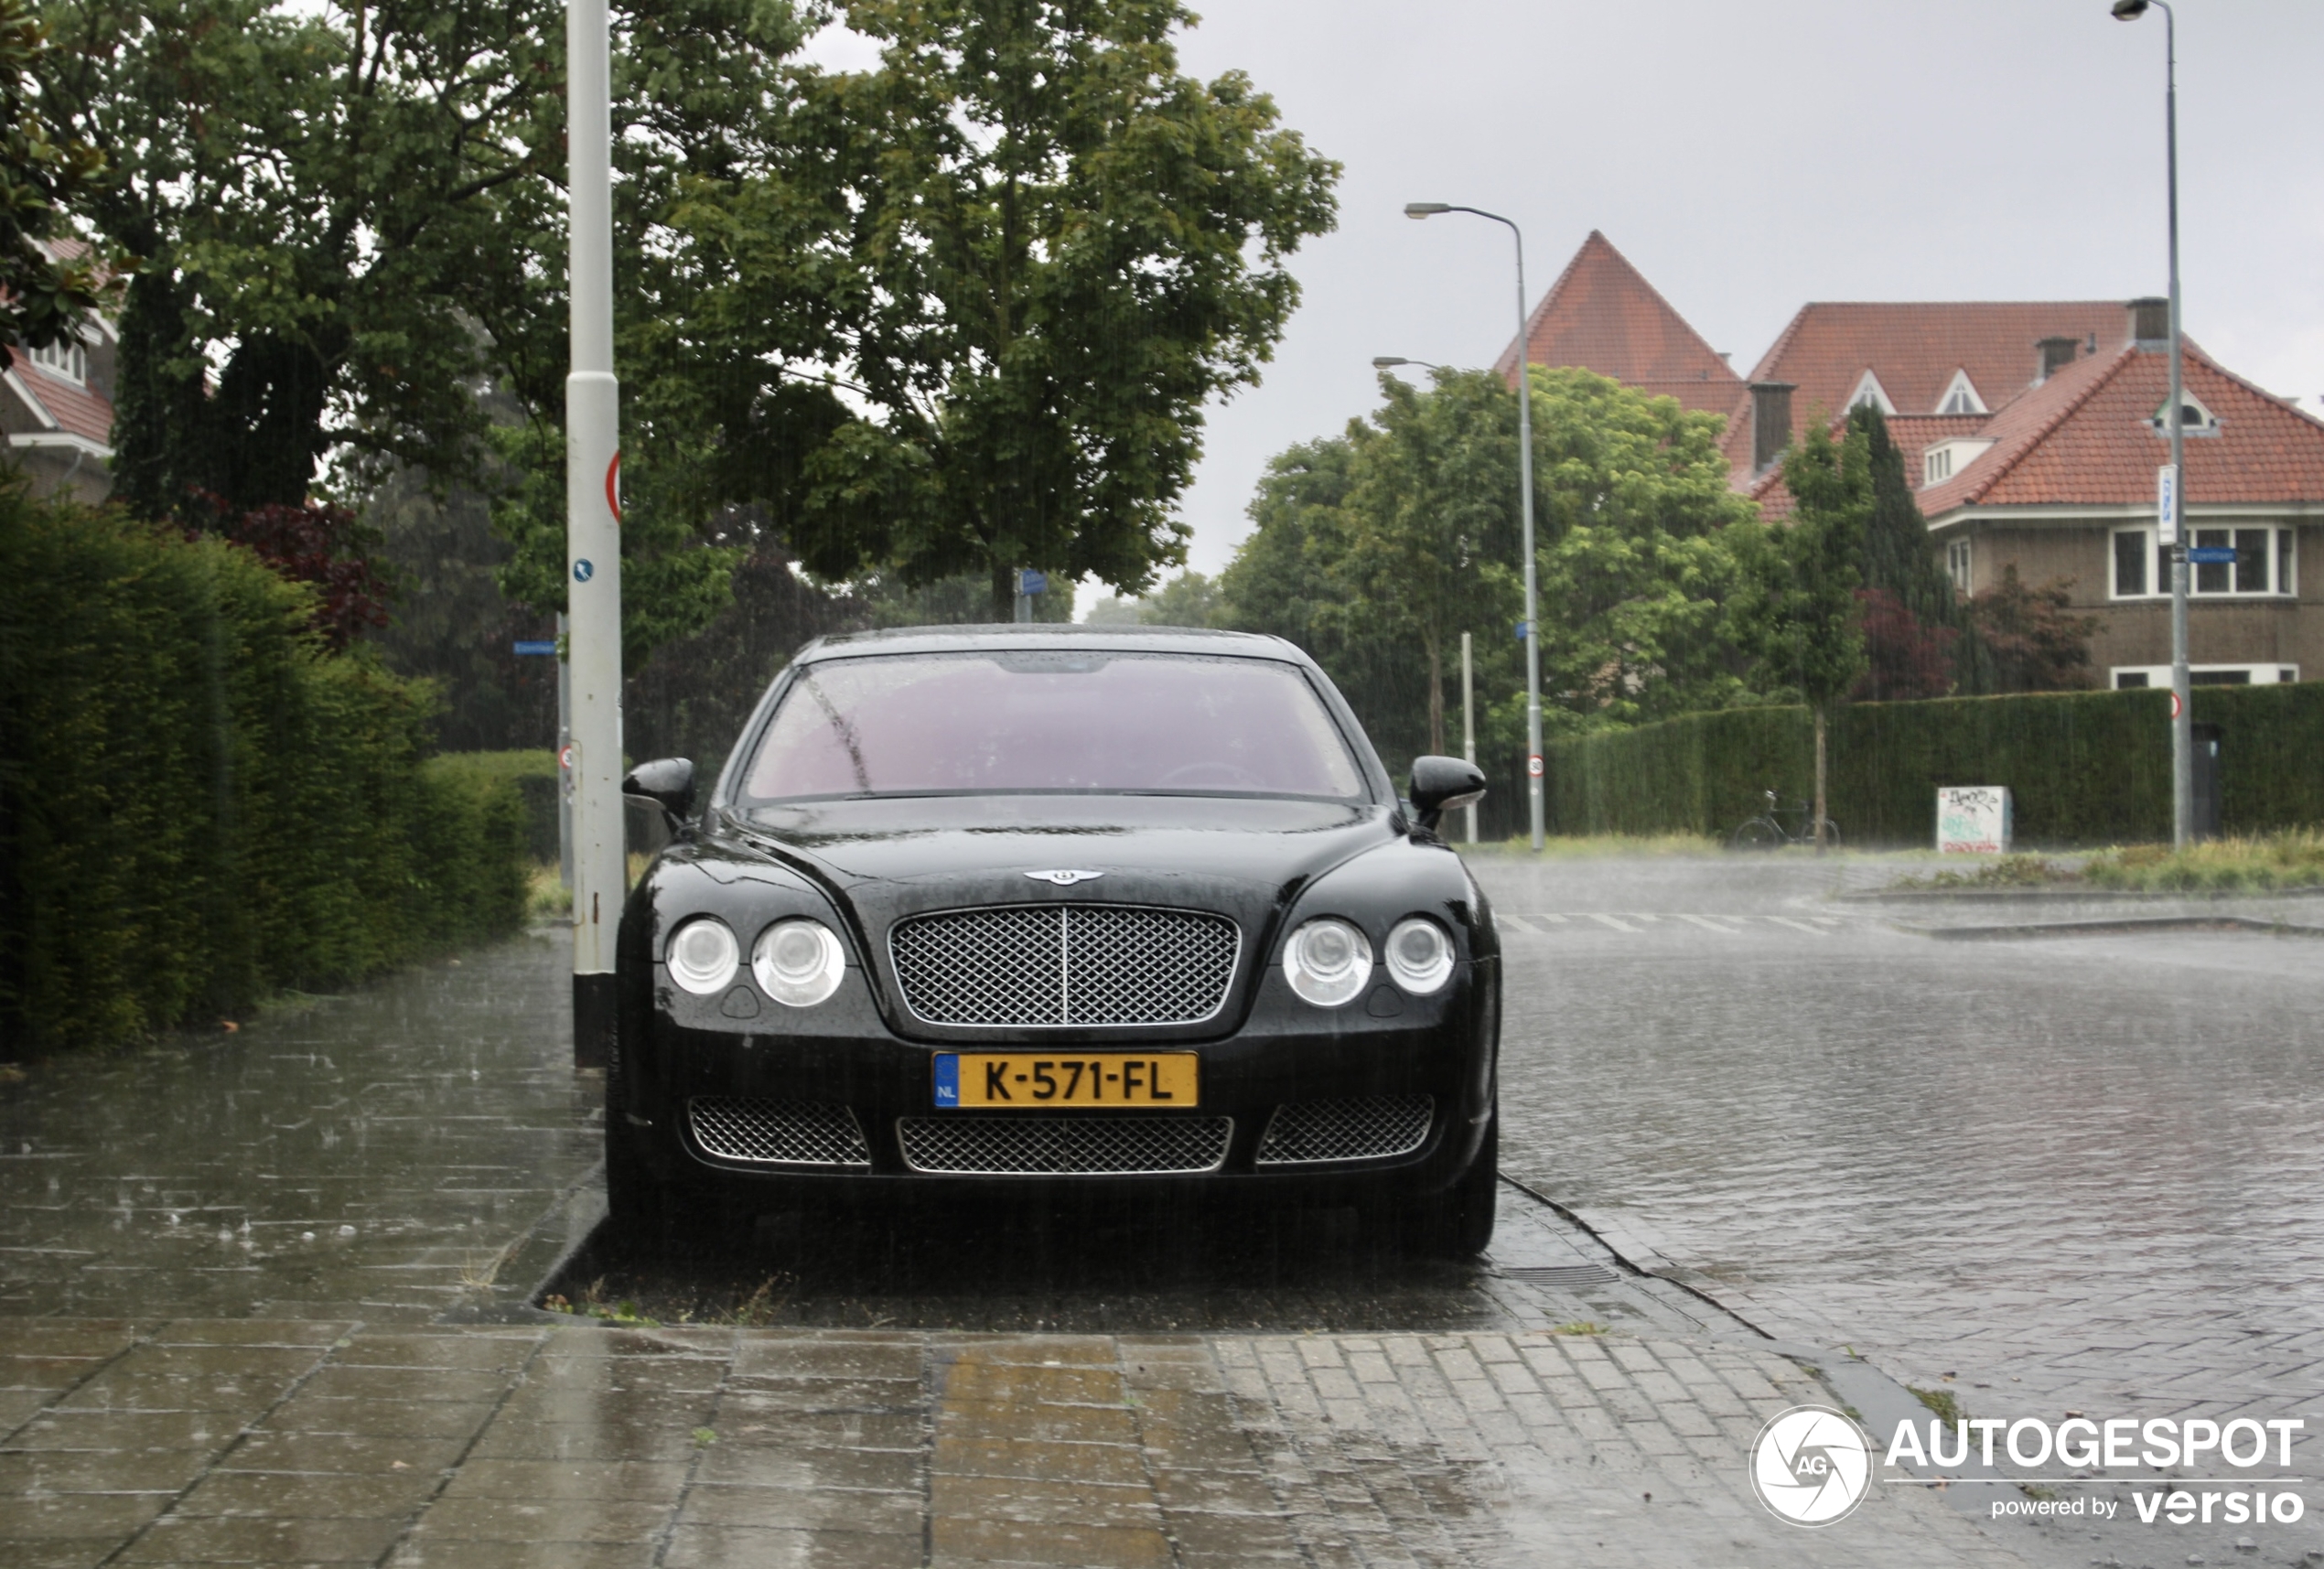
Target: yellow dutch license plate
991	1080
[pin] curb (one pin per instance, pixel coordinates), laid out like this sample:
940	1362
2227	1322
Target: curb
2119	924
538	1257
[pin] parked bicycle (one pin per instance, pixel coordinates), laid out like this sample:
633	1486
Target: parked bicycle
1767	831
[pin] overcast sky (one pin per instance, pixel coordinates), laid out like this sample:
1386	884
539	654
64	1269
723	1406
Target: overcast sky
1748	158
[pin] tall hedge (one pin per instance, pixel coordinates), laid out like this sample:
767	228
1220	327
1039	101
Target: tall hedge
2083	767
197	804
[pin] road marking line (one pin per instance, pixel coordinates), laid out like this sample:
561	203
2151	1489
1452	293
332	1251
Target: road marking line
1615	921
1798	925
1520	924
1650	919
1709	925
1560	919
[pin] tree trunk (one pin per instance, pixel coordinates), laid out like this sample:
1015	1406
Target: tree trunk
1435	698
1819	778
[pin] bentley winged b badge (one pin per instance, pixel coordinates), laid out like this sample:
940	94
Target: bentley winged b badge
1065	879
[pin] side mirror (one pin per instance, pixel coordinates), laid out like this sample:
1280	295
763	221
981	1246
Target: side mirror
668	783
1440	784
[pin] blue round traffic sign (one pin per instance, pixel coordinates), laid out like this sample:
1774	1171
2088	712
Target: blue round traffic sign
583	571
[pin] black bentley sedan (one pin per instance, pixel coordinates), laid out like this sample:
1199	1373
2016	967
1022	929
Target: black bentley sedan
1057	905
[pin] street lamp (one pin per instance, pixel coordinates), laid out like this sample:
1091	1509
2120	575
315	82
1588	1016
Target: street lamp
2183	719
1525	512
1390	361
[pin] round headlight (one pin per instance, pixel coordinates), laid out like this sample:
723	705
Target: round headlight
1327	961
798	962
704	956
1420	956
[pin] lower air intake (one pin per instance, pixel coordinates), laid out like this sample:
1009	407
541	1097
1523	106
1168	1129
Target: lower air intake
1010	1145
778	1133
1371	1128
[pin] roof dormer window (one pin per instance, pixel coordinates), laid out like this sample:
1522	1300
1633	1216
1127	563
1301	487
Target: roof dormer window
1869	392
1961	396
65	358
2194	419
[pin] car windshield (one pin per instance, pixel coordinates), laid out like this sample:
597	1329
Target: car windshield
1066	721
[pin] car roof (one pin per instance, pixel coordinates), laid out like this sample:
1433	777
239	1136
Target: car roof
1046	635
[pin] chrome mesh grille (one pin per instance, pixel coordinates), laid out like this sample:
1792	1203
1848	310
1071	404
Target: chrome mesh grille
1065	964
1008	1144
1371	1128
787	1132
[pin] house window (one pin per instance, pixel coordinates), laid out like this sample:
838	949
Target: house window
2194	419
1936	465
2265	562
2132	553
1961	397
1956	566
1870	393
67	358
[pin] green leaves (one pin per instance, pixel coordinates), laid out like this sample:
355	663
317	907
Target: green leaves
1808	618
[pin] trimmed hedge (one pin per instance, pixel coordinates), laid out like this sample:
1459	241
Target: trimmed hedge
2085	768
197	804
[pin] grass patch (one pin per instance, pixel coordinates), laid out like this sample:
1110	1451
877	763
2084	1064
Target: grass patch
545	895
1940	1401
2010	872
1581	1327
2292	858
594	1306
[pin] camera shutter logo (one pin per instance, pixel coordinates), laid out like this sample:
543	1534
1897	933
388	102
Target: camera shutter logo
1811	1466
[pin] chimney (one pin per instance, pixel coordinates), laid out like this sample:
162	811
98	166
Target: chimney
1770	422
2057	353
2150	323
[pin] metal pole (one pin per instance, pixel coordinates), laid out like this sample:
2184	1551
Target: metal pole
592	535
2182	732
1525	509
1468	723
564	769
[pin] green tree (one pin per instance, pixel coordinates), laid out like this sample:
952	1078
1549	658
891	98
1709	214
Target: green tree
1646	555
47	282
1812	621
333	211
1057	249
1920	640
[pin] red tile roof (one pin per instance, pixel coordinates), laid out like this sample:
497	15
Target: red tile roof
67	404
2087	436
1602	315
1915	348
1913	434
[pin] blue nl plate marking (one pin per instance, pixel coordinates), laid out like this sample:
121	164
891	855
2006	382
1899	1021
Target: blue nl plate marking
948	1078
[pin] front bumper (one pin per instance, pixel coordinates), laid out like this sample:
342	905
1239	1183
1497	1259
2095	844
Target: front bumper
679	1051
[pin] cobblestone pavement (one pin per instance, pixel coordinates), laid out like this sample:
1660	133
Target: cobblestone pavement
272	1441
2046	1175
358	1157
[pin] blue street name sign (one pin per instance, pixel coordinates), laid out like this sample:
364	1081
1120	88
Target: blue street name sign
539	648
2211	555
1521	631
1031	582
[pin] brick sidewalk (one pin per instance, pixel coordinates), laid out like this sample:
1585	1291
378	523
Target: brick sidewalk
250	1442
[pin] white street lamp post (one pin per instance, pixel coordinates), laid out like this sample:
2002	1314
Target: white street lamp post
1525	512
2182	722
592	535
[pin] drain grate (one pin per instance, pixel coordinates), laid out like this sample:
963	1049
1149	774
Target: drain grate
1560	1277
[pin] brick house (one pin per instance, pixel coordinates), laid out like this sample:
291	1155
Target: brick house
2032	431
55	406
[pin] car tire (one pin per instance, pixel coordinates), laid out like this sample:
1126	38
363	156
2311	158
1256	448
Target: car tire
1458	1222
639	1201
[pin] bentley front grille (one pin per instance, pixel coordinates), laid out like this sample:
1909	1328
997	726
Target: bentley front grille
778	1133
1012	1145
1065	964
1371	1128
